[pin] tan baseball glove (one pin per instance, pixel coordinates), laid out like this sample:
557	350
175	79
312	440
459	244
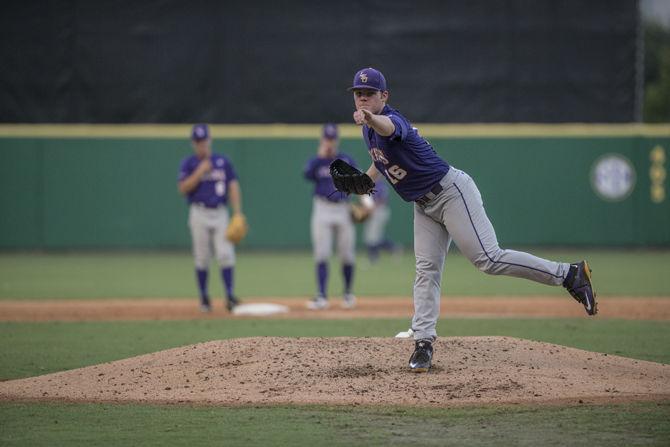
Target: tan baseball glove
237	228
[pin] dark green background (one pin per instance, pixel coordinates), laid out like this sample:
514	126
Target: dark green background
59	193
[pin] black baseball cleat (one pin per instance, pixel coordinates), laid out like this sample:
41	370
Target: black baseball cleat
578	283
231	303
422	358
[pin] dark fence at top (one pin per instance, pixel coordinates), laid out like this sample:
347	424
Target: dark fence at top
271	61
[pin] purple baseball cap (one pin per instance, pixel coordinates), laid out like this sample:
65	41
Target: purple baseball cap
369	78
200	132
330	131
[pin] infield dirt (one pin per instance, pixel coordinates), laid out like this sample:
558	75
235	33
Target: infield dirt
377	307
355	371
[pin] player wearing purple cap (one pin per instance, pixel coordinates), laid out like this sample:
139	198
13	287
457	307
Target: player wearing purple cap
330	216
209	182
447	206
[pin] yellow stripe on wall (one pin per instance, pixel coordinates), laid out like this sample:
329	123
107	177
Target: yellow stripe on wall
274	131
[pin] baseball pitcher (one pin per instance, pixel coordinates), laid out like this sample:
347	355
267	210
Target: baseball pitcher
209	182
447	207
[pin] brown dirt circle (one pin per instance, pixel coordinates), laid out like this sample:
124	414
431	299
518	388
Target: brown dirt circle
355	371
368	307
349	371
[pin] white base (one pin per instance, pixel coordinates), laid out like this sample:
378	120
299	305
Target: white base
259	309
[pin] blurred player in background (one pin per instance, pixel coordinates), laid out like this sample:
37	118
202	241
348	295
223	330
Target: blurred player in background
375	226
331	217
209	182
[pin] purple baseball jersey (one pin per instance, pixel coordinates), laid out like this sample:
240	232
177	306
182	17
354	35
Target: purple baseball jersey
212	190
406	159
318	171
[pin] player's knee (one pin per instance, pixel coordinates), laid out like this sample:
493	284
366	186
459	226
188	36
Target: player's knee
320	257
485	264
347	256
226	261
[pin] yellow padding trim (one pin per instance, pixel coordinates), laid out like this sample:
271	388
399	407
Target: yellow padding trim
280	131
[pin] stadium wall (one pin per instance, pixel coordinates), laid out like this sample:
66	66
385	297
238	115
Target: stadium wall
79	186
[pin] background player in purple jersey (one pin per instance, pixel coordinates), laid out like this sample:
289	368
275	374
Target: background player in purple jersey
374	231
209	182
447	206
331	216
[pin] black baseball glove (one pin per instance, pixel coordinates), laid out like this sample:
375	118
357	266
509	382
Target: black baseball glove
348	179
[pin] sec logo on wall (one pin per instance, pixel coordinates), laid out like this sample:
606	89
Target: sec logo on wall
613	177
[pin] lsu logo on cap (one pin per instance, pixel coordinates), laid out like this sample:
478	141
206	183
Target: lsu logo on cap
368	78
200	132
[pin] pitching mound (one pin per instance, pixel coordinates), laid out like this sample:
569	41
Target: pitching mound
351	371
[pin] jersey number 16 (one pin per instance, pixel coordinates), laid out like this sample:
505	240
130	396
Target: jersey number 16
395	173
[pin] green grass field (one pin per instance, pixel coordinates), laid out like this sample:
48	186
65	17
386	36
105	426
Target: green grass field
30	349
170	275
86	425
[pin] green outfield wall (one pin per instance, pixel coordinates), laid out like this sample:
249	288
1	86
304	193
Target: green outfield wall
70	187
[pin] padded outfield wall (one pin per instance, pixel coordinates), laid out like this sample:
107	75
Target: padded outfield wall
80	186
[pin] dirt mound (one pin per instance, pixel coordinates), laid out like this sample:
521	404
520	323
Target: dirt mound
352	371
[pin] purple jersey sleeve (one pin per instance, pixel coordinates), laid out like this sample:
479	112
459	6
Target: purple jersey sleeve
310	169
401	128
230	171
186	168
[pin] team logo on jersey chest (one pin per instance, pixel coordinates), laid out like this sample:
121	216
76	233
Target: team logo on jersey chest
378	155
215	175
